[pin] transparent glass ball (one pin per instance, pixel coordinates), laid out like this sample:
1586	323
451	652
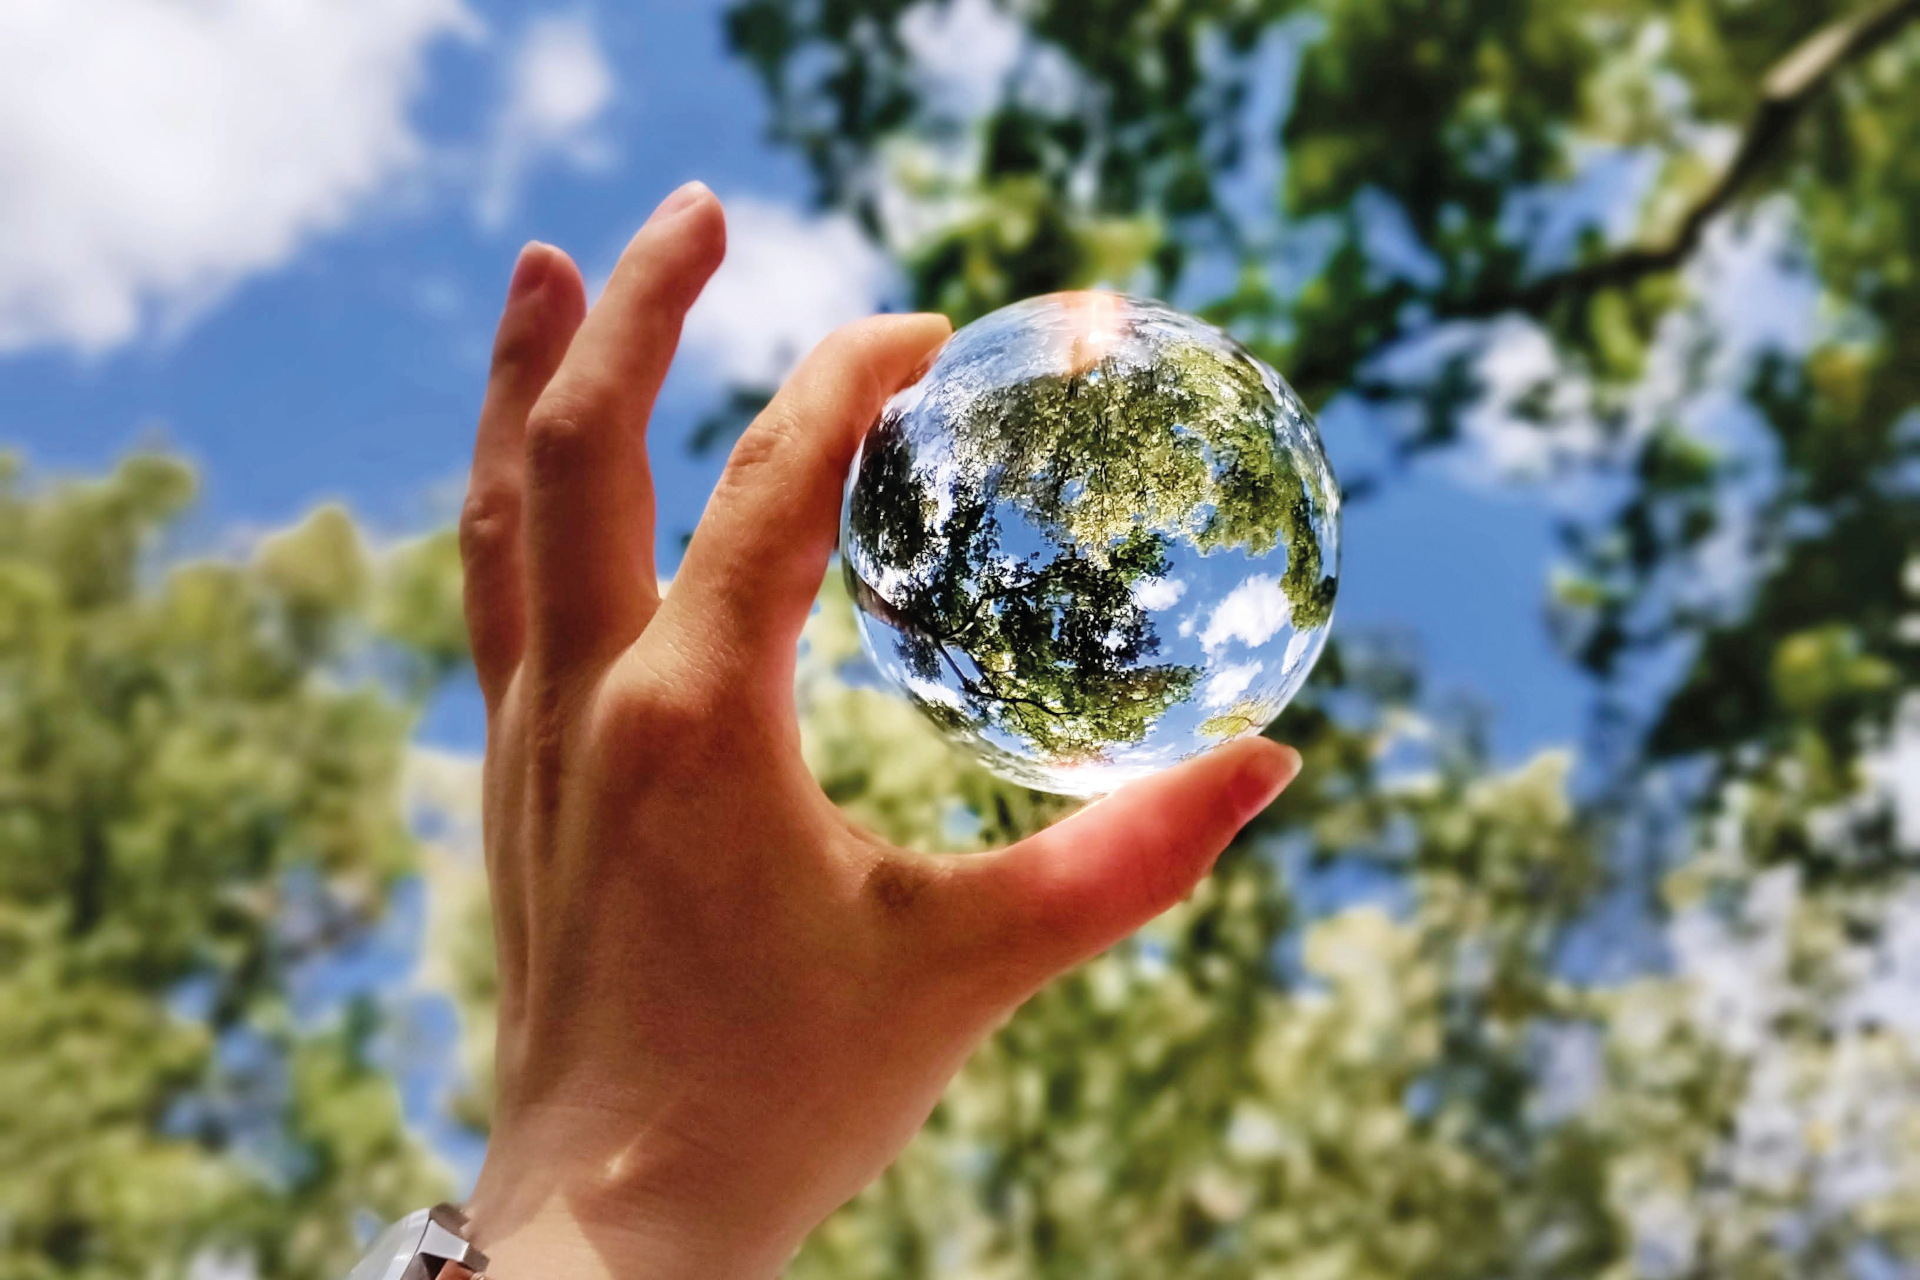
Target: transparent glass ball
1096	538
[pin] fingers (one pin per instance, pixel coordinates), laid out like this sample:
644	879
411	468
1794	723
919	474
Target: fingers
545	302
591	578
755	563
1080	886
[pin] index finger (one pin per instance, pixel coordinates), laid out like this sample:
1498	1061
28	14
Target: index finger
753	568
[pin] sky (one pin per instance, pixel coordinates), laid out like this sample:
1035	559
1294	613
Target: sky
274	236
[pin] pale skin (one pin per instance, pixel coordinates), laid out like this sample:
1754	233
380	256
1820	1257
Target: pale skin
724	1008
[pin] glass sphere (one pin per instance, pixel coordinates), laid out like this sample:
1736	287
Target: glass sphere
1096	538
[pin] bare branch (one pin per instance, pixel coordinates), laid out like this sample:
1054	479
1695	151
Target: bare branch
1785	93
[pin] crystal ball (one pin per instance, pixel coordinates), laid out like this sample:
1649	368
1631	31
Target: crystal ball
1097	537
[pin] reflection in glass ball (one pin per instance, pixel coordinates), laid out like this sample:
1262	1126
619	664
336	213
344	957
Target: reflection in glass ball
1097	537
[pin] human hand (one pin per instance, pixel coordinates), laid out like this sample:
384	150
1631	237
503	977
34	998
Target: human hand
724	1008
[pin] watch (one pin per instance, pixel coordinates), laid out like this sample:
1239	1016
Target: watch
427	1244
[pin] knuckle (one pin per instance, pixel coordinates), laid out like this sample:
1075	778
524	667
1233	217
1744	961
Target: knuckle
773	436
560	430
656	725
489	522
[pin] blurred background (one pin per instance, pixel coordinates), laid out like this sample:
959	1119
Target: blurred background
1588	944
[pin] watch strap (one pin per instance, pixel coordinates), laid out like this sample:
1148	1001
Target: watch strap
445	1253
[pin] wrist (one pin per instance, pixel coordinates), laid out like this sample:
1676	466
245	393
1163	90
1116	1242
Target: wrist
558	1242
558	1200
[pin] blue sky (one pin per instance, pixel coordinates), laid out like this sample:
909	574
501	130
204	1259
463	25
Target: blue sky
274	237
279	249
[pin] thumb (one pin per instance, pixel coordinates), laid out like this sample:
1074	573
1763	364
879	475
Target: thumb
1083	884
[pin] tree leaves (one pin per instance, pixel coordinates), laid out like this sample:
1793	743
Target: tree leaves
1431	166
196	804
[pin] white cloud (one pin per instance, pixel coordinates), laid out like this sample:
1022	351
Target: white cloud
1824	1127
209	1265
965	49
154	153
1573	1069
970	52
1159	593
1890	995
1224	687
1520	364
1894	770
1252	613
1738	968
968	56
1751	297
440	794
787	282
1302	643
935	692
559	86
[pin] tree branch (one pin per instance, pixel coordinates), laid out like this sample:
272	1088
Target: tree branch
1785	94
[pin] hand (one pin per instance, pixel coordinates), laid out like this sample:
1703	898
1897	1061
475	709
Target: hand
724	1008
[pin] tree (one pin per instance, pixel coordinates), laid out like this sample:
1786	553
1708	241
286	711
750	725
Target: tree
1751	1109
200	813
1175	1107
1276	1079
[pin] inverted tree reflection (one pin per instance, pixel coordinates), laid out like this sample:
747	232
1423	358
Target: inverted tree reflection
1012	532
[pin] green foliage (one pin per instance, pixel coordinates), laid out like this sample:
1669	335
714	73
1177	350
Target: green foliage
1181	1106
1275	1080
1267	1087
199	803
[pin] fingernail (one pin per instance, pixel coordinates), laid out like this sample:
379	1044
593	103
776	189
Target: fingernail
528	270
1265	777
682	197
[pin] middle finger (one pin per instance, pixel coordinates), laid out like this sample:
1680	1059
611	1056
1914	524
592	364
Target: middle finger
591	581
